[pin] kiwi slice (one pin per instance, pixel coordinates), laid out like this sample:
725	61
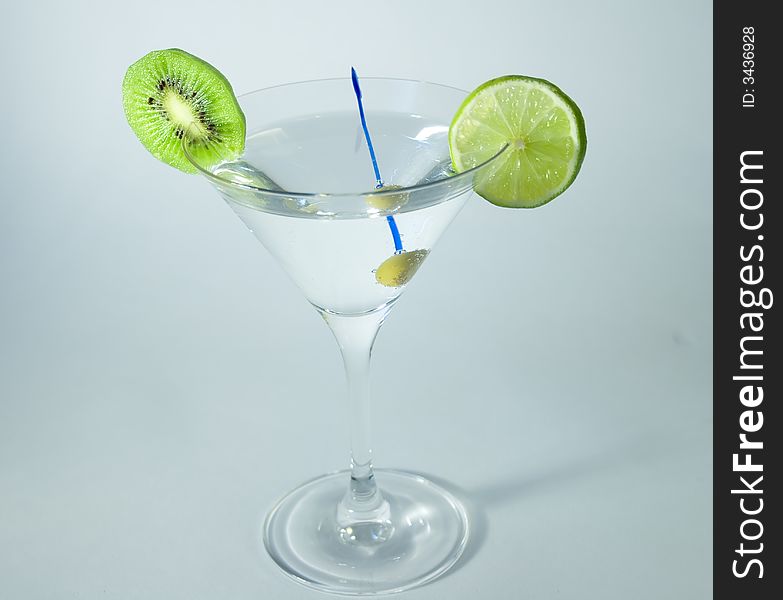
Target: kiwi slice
170	95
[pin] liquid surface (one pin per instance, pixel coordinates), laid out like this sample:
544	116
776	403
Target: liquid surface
335	260
327	153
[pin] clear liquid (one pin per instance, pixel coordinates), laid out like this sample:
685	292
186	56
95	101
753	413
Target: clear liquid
327	153
334	260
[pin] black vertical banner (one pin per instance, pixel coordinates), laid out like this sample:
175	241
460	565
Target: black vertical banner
748	224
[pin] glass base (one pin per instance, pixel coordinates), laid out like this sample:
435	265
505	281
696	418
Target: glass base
423	534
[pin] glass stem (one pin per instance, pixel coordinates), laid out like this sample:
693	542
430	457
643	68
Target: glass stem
356	335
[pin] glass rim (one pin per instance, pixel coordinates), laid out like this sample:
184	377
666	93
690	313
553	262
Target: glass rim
375	193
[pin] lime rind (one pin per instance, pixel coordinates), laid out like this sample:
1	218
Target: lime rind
543	128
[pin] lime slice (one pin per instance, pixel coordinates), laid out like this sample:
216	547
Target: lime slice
544	131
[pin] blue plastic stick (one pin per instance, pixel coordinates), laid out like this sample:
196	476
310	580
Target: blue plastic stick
378	180
395	234
357	90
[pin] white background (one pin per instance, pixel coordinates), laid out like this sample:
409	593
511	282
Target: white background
162	382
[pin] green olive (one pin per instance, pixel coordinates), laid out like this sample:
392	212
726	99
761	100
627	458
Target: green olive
397	270
388	202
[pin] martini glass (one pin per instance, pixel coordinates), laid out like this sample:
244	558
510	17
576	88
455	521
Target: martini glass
306	189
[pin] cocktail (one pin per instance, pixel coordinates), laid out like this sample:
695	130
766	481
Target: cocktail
351	218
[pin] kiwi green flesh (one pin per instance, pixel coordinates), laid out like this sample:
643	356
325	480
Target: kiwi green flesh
171	96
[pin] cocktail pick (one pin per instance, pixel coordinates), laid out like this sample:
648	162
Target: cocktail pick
378	179
398	269
358	91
